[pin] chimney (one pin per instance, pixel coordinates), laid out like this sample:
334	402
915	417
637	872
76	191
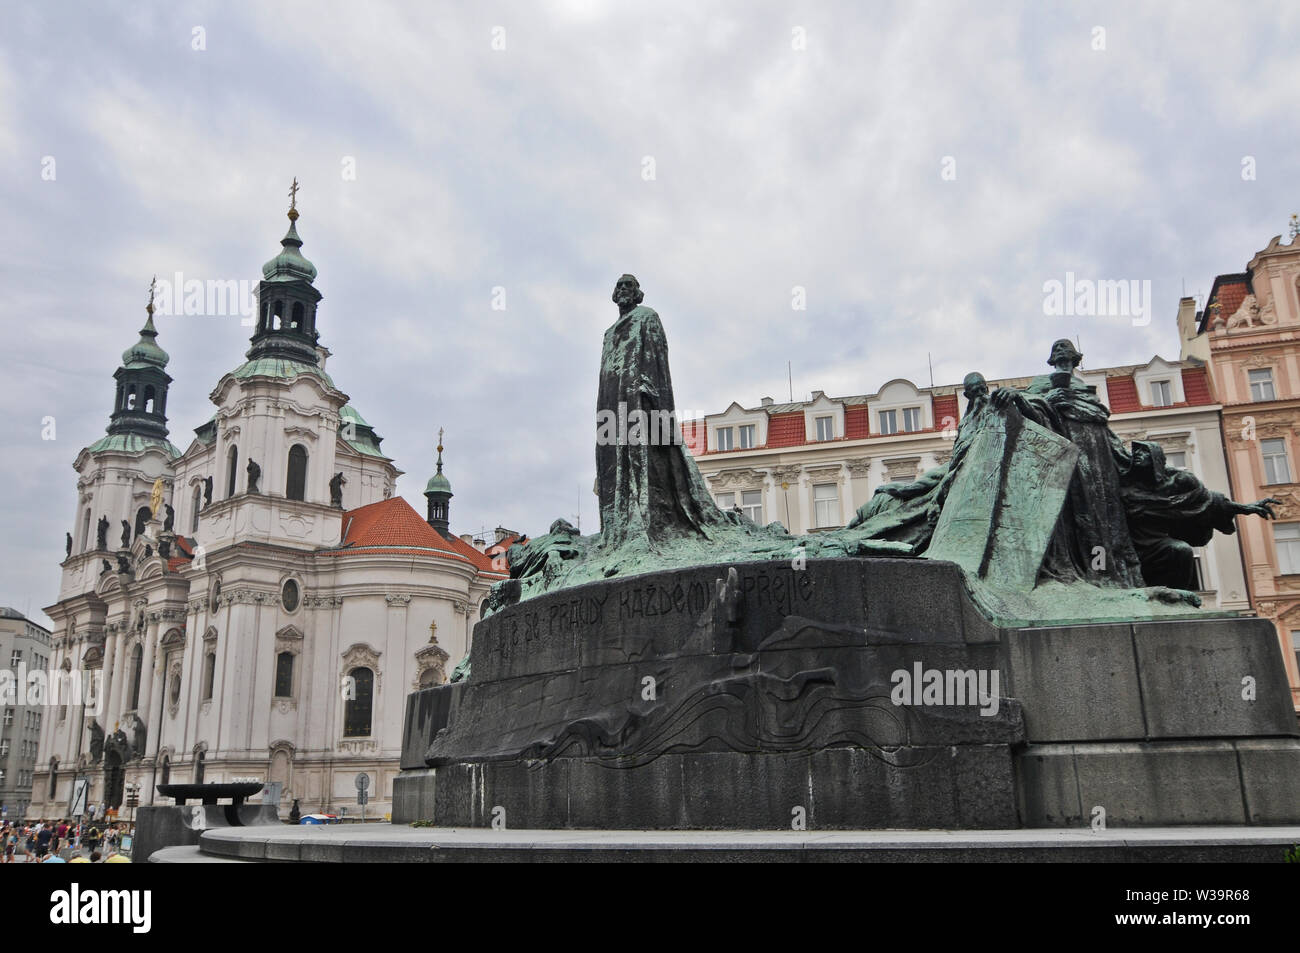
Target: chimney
767	401
467	539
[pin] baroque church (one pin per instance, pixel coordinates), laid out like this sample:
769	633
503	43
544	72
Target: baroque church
259	604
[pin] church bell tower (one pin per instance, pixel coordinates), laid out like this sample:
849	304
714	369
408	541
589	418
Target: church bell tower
140	407
286	324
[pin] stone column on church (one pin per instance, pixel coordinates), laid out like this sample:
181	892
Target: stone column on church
149	690
114	676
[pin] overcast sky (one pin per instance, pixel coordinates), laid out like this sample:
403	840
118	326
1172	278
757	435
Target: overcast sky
920	169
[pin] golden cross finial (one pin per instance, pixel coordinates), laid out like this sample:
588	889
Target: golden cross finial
433	630
152	285
440	440
293	199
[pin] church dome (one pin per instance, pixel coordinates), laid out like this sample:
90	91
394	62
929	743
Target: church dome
290	265
438	484
146	352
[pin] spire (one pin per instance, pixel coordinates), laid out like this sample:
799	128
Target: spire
438	492
140	406
286	326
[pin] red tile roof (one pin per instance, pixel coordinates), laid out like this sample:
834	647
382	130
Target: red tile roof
1123	395
1196	386
857	422
696	436
393	527
1230	296
786	430
945	408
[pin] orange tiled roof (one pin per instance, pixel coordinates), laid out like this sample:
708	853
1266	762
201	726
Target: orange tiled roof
393	527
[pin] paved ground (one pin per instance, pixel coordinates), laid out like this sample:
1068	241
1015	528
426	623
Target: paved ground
392	843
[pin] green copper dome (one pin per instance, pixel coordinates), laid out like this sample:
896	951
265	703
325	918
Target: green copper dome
438	483
146	352
290	265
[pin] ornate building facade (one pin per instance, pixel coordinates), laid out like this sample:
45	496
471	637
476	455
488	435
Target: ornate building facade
258	604
810	464
1248	332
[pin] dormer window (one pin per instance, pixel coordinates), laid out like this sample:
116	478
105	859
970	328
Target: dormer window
911	419
747	438
825	428
725	438
1161	394
888	422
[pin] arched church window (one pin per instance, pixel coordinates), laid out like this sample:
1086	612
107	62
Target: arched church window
266	315
356	710
284	675
142	516
232	471
149	399
196	502
176	688
130	397
54	777
137	669
209	674
296	485
277	315
296	321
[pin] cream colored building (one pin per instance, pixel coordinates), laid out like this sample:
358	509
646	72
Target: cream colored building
272	625
1248	332
810	464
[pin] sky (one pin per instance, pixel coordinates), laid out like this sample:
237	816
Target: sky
814	196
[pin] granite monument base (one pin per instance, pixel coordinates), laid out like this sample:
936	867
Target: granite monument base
846	694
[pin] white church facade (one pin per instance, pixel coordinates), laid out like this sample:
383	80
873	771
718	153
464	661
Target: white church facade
259	604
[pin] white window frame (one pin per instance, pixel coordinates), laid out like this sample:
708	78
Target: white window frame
911	416
1262	378
1286	545
1162	393
754	510
726	500
826	507
892	416
718	439
1169	459
825	424
1271	461
748	434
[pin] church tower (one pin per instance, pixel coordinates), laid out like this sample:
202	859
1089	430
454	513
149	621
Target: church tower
286	326
438	492
140	407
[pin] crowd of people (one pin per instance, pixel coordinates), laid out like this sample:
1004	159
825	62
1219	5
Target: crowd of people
64	841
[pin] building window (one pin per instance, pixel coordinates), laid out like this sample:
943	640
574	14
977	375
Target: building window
726	501
137	666
356	710
1261	384
284	675
296	486
9	717
196	503
1161	395
747	436
1199	562
54	777
826	505
16	659
724	438
825	428
1177	459
4	748
289	595
85	533
209	674
888	421
1276	467
232	471
1286	539
1295	644
911	419
751	504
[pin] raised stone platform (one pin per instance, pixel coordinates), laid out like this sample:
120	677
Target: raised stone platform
383	843
754	696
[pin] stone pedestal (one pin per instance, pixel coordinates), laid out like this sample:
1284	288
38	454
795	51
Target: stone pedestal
846	694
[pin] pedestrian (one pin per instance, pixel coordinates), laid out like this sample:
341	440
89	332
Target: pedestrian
92	838
11	845
43	838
